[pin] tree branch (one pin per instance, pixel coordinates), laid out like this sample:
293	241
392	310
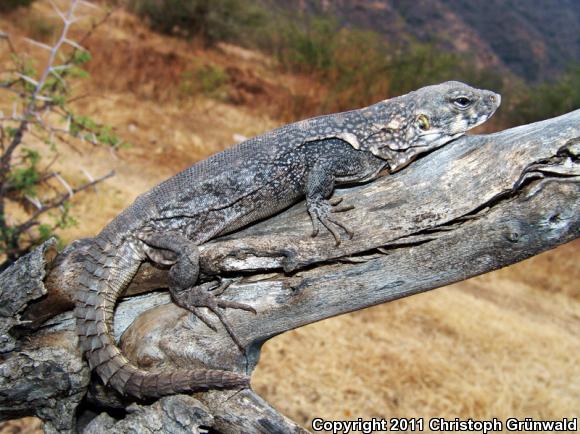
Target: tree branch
67	19
478	204
57	202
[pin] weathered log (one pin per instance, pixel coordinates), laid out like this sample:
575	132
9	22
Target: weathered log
40	374
478	204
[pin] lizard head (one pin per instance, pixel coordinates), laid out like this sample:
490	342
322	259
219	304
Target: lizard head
427	119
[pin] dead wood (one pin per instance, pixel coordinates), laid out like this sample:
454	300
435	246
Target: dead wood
478	204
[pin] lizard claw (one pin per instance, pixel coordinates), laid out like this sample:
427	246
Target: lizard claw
315	227
202	316
222	285
206	295
342	208
320	213
335	201
225	304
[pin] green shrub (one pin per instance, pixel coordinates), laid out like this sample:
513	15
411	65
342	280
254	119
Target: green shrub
209	80
38	27
359	67
351	63
8	5
353	66
549	99
421	64
305	48
210	20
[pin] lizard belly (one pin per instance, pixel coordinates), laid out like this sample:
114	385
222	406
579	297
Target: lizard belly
262	204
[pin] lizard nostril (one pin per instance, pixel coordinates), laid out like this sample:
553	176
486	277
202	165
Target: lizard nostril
492	98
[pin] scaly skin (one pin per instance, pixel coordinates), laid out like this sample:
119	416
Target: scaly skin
246	183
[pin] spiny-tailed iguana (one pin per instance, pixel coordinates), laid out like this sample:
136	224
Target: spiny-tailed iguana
251	181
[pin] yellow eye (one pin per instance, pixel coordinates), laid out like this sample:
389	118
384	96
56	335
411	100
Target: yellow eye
423	122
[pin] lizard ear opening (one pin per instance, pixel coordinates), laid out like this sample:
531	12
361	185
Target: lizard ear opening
423	122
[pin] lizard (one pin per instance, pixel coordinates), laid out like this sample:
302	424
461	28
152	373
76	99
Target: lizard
243	184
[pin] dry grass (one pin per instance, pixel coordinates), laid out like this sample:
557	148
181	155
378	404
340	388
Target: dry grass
26	425
493	346
500	345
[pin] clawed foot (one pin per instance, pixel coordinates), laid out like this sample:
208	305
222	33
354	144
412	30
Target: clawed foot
321	211
206	295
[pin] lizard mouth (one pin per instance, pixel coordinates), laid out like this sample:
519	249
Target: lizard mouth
434	140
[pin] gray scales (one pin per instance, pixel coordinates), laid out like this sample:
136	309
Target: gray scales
241	185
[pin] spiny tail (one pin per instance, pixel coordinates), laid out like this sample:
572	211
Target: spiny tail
103	278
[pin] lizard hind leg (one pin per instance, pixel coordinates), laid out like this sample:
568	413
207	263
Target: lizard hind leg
183	256
171	248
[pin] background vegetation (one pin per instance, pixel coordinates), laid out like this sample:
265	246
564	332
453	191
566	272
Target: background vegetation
358	66
34	197
209	20
8	5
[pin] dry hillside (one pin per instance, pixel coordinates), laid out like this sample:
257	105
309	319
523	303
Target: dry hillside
540	43
501	345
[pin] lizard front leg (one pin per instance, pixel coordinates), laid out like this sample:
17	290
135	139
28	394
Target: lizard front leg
319	187
331	162
183	256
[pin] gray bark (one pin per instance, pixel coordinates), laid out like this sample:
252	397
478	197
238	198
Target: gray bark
478	204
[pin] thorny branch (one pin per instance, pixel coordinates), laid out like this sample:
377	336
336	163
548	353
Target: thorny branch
68	20
42	99
33	220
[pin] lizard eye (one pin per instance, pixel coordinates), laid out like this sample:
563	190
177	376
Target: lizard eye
423	122
462	102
